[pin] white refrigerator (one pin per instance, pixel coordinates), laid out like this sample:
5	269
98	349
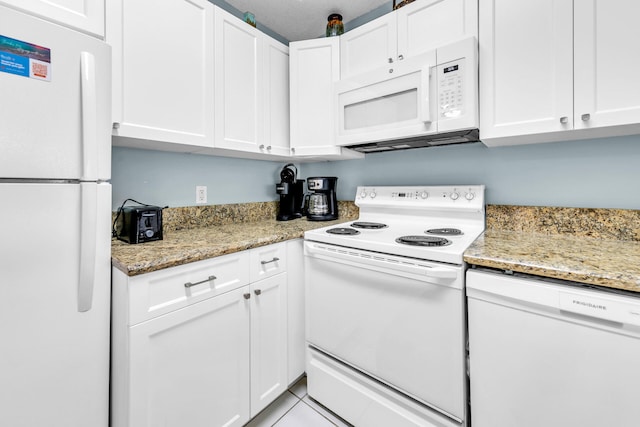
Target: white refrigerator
55	203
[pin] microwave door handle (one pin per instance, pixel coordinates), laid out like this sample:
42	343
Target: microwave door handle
425	107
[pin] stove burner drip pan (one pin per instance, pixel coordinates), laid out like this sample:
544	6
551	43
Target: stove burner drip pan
369	225
444	231
343	231
423	241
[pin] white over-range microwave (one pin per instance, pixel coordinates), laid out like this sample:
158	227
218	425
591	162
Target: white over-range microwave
429	99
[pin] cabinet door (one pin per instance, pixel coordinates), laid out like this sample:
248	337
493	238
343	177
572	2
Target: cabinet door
526	72
426	24
276	98
191	367
369	46
86	16
237	82
163	85
314	68
607	87
268	341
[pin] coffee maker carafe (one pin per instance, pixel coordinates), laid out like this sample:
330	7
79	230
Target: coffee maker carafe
321	203
291	191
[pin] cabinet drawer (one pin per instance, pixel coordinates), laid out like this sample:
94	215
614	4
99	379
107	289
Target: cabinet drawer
160	292
268	261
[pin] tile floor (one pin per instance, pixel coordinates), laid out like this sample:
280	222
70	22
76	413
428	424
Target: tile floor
296	409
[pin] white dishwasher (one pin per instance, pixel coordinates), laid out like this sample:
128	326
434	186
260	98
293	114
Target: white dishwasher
548	353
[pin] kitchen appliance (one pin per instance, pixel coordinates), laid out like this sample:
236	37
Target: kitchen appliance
321	204
545	352
429	99
55	224
139	224
385	307
291	191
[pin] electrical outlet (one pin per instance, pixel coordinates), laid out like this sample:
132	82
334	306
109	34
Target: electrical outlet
201	194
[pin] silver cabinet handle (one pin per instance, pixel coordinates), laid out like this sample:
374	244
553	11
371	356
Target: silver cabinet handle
390	60
257	291
189	284
268	148
400	57
116	125
564	119
273	260
261	146
247	295
390	70
585	117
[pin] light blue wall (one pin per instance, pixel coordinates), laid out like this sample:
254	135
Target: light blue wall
162	178
603	173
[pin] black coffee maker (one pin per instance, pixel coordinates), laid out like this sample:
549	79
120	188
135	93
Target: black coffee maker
321	204
291	191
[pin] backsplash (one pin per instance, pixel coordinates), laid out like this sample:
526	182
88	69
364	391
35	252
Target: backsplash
189	217
617	224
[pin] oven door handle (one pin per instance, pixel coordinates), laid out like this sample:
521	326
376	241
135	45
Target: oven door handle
388	264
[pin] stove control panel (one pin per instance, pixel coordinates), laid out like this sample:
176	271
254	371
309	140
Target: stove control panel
465	197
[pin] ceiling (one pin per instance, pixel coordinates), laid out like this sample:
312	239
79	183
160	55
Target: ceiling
303	19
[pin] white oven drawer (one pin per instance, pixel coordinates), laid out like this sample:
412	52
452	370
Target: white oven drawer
362	401
403	328
163	291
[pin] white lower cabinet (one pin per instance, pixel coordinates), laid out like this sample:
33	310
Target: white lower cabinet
268	301
190	367
200	344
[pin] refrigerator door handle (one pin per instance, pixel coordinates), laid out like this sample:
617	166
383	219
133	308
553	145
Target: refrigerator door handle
88	242
89	117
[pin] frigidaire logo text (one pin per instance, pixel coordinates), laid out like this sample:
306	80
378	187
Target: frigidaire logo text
590	305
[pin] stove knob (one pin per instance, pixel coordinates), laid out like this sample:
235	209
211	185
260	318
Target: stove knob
454	196
363	194
469	196
373	195
424	194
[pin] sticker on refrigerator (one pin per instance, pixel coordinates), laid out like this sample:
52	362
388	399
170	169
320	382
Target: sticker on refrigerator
24	59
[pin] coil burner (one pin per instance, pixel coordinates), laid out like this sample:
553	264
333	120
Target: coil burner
423	241
444	231
369	225
343	231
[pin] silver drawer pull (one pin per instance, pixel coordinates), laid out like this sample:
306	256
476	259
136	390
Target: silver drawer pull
257	291
247	295
268	262
585	117
189	284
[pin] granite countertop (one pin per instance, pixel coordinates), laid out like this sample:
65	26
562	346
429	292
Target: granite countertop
195	234
593	246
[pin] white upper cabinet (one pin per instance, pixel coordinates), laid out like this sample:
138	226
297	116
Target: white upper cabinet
607	63
557	69
276	98
408	31
314	68
369	46
163	71
237	95
83	15
252	106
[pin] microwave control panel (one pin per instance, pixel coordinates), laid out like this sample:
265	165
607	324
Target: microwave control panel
451	89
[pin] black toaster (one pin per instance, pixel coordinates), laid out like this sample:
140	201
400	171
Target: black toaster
139	224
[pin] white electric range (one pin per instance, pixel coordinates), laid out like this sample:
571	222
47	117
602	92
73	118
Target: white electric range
386	325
